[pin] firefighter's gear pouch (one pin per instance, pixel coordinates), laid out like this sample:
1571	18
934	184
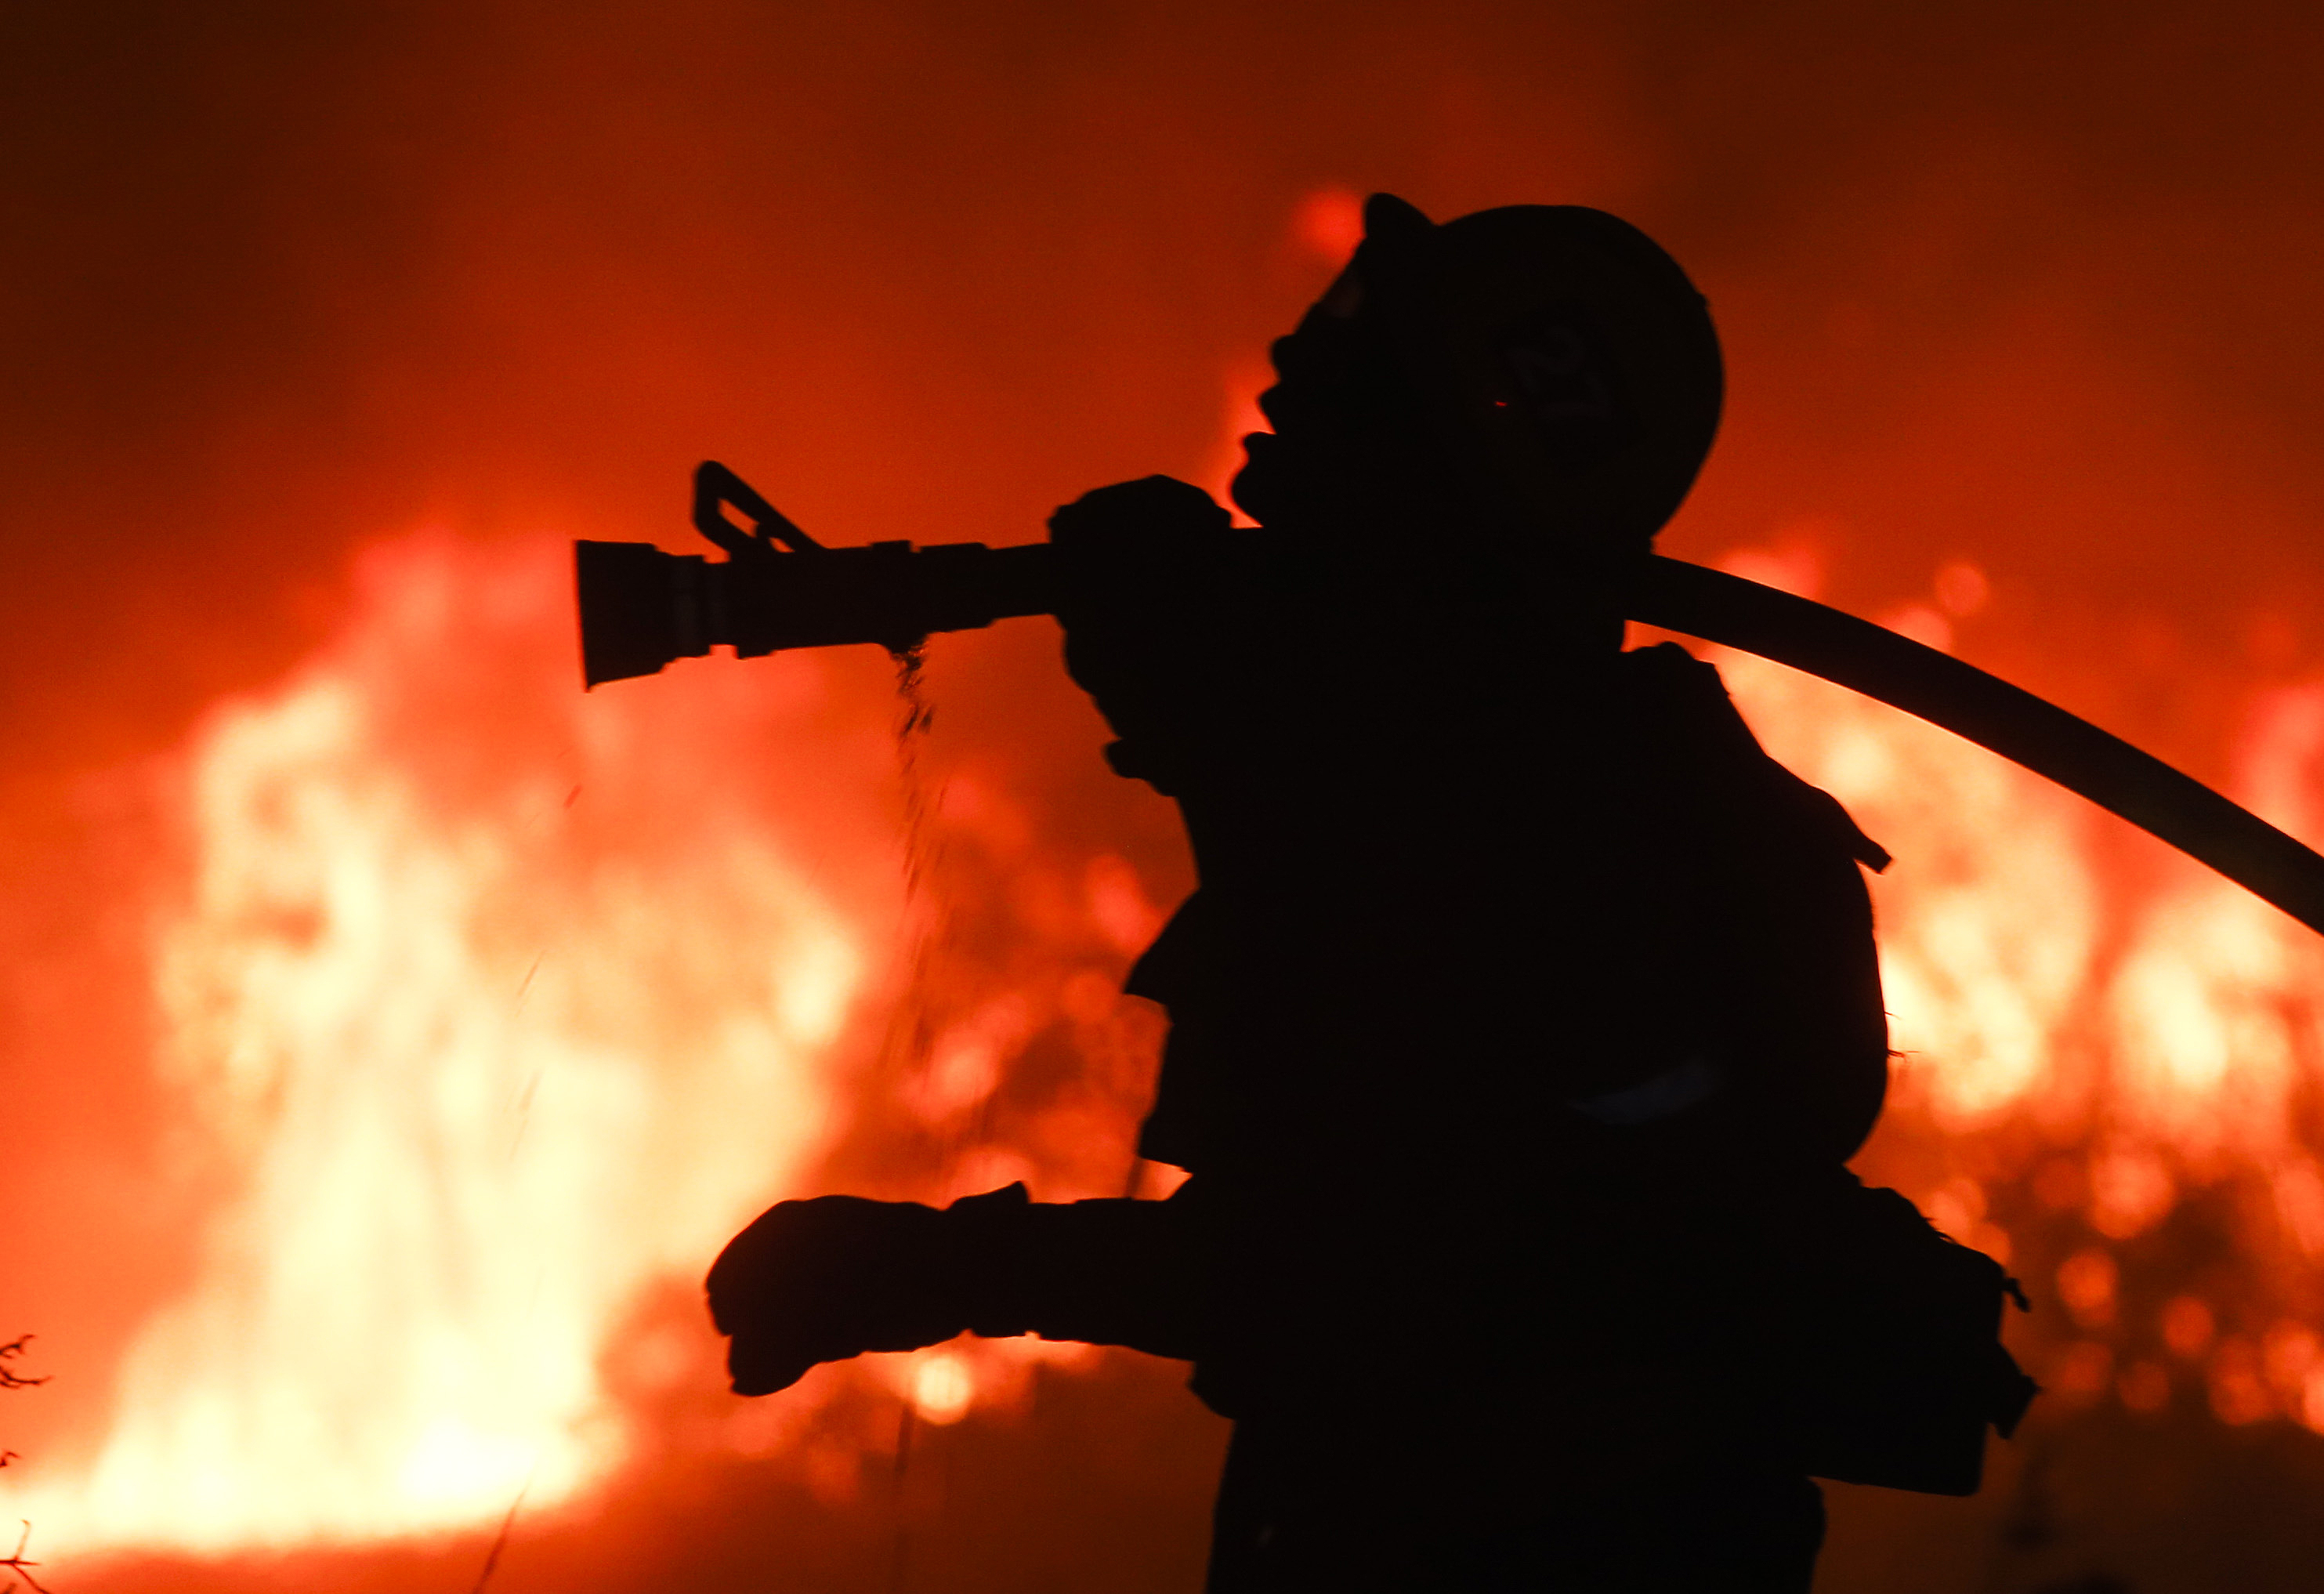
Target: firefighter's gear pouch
1902	1366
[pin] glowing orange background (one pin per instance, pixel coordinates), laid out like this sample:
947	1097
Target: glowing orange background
340	933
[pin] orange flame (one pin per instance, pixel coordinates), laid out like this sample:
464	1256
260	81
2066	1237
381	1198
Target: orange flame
502	1005
493	1004
2108	1031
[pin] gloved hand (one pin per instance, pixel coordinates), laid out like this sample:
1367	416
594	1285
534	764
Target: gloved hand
1152	519
823	1280
1142	576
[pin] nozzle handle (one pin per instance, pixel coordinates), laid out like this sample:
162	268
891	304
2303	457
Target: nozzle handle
715	489
642	607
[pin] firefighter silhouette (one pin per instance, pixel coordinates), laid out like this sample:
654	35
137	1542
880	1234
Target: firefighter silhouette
1525	1016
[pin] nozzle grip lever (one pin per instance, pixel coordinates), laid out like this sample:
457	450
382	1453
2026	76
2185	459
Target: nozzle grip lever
715	488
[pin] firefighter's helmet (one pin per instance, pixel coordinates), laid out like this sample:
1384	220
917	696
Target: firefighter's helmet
1565	362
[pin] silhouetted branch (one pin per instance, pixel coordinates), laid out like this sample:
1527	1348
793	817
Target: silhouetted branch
17	1565
499	1541
20	1567
9	1353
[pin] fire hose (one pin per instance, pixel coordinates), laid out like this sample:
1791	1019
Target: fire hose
778	589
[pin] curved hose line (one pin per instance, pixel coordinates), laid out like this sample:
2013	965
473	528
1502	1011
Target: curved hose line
1935	686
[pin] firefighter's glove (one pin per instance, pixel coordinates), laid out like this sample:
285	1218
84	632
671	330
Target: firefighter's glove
1114	541
1138	563
823	1280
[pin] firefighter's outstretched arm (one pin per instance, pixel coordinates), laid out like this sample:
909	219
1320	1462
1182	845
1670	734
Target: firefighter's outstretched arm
822	1280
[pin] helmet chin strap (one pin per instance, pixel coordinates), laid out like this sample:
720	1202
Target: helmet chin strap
1935	686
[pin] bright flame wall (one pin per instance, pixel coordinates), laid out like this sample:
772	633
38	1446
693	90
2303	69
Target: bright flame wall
485	1002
